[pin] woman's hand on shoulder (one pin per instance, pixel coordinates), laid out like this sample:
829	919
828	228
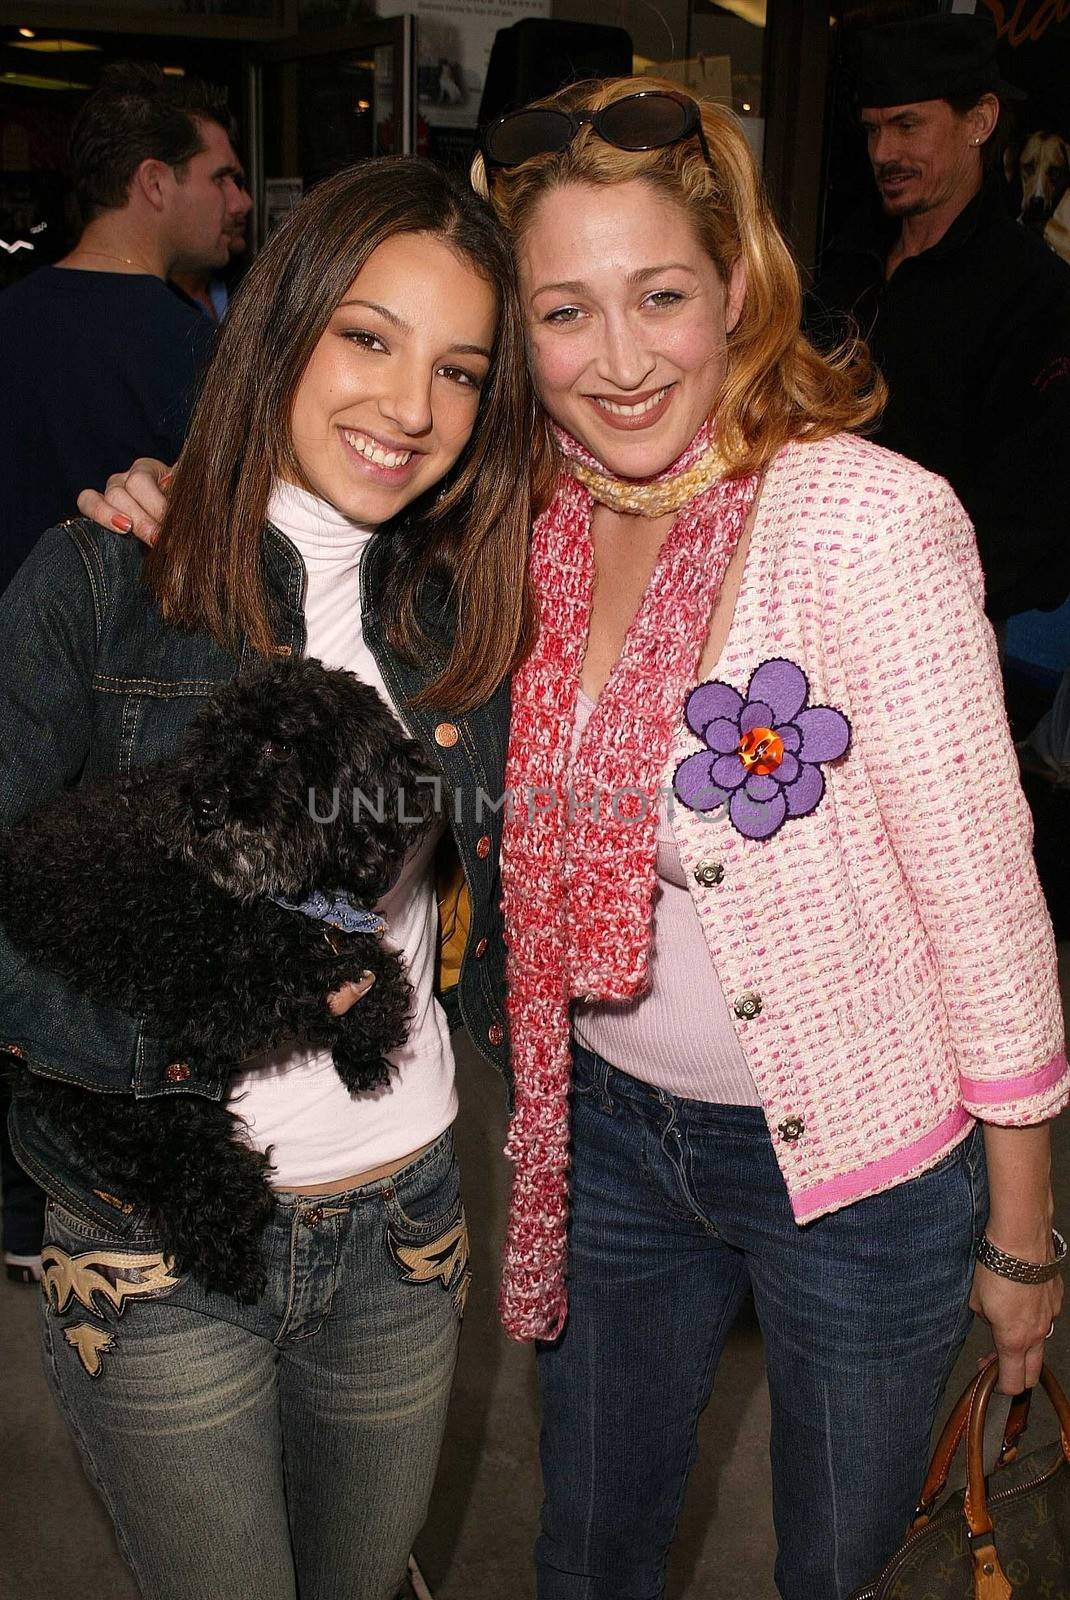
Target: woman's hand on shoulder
133	501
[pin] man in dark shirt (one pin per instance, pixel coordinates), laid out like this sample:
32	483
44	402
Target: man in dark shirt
967	315
100	357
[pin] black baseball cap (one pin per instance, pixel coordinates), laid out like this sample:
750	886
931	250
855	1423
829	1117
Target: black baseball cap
941	57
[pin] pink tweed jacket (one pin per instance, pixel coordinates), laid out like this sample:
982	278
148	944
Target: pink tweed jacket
889	957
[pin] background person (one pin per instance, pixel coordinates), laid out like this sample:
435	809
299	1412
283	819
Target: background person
210	290
967	315
155	176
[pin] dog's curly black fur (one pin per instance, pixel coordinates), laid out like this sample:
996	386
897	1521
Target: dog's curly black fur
150	892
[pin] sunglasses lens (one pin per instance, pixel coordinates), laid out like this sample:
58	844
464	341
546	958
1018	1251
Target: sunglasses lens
524	134
645	121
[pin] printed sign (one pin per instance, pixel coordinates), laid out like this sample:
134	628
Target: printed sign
455	39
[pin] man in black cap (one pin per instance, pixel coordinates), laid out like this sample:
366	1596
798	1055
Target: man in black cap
967	315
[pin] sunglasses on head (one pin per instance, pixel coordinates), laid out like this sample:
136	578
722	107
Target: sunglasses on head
648	120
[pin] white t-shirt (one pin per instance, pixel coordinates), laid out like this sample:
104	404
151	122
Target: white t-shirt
293	1099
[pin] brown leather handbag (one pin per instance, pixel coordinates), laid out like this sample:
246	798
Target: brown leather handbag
1005	1539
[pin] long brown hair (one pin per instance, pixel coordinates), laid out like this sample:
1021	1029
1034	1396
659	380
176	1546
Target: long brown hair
206	572
777	388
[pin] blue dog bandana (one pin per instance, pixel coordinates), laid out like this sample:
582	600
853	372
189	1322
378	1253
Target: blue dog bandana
336	910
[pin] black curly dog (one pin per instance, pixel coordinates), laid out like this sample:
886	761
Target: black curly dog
150	892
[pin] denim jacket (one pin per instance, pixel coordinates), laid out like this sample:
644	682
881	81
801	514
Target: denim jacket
97	683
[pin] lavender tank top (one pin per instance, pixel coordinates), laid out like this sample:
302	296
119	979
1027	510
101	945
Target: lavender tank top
663	1037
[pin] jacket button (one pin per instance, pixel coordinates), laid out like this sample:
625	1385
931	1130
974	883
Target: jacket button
481	948
748	1005
708	873
791	1130
496	1033
446	735
178	1072
483	847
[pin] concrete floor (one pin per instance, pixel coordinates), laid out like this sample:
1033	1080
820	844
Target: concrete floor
477	1543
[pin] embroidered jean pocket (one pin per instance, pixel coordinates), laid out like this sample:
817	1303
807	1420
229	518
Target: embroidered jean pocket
427	1236
443	1258
85	1271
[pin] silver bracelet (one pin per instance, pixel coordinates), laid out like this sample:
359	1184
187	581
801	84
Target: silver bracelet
1013	1267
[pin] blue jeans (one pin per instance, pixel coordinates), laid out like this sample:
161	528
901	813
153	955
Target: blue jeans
281	1449
678	1211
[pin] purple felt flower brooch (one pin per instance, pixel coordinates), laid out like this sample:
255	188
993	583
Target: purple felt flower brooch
764	750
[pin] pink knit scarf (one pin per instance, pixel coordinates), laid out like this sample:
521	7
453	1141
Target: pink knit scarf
578	864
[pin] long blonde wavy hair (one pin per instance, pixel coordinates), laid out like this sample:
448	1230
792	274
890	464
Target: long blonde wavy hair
778	387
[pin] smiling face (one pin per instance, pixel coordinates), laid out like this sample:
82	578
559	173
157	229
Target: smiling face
927	156
627	321
389	397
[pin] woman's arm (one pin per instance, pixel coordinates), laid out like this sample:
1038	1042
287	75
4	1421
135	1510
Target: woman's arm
1019	1223
49	616
929	722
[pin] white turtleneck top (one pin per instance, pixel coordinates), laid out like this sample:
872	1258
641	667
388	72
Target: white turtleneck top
292	1099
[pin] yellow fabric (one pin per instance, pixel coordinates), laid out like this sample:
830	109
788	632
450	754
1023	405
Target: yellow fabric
455	915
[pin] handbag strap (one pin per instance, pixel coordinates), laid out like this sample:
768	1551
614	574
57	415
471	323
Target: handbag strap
952	1436
975	1506
990	1582
967	1420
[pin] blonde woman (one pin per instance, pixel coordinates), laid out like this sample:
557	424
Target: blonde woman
775	937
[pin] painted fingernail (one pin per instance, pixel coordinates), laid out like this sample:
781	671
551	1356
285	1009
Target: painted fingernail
165	481
120	523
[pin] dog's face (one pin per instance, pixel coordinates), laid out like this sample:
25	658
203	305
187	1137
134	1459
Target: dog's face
295	777
1044	173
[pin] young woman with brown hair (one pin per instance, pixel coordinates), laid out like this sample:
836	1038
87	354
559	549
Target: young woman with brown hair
348	490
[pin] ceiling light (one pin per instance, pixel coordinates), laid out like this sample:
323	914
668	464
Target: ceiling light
29	80
53	47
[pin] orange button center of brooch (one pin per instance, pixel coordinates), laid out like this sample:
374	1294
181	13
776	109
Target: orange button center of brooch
761	751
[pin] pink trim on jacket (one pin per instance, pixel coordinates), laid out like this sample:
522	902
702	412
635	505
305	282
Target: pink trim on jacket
889	1170
996	1091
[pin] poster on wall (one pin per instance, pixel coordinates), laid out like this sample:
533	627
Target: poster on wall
281	195
454	39
1034	48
